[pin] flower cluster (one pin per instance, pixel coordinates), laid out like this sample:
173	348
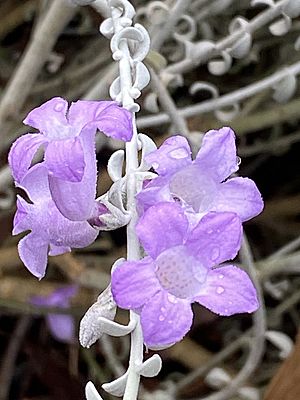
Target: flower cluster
63	211
191	224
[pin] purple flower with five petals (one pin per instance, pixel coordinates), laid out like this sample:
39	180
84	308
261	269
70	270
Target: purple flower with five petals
61	326
68	138
202	185
51	233
182	267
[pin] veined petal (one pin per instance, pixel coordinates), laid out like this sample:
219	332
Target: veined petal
165	319
227	291
65	159
217	155
33	252
216	238
154	192
133	283
239	195
35	183
50	119
161	227
22	152
172	155
58	250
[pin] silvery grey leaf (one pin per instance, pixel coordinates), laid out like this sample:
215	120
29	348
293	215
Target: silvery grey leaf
150	103
282	341
199	52
157	12
190	33
292	8
147	145
249	393
297	44
91	392
282	26
205	86
285	89
269	3
107	28
217	378
242	46
115	90
228	114
90	326
116	387
220	67
82	2
115	165
150	367
142	77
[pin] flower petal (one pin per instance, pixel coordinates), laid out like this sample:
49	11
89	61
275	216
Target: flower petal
65	159
33	252
76	200
161	227
22	152
35	183
172	155
239	195
156	191
107	116
228	290
217	155
165	319
133	283
62	327
20	223
58	250
50	119
216	238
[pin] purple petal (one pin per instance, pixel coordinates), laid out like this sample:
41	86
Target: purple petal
62	327
33	252
20	223
165	319
216	238
156	191
173	154
58	250
107	116
161	227
227	291
239	195
133	283
50	119
35	183
217	155
76	200
65	159
194	186
61	296
22	153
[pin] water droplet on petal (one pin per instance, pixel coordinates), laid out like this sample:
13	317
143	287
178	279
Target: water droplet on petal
59	107
221	276
179	153
226	310
215	254
163	309
209	231
172	299
220	290
161	318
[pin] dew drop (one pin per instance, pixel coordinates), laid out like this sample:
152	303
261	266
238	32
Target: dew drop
172	299
59	107
163	309
209	231
215	254
221	276
161	318
220	290
226	310
179	153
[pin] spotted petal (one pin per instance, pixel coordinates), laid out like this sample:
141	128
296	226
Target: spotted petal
161	227
216	238
217	155
165	319
228	290
134	283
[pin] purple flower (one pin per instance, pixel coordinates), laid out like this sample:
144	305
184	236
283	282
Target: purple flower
61	326
182	268
51	233
202	184
68	138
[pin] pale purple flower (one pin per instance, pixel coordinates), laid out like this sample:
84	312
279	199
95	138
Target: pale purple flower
61	326
182	267
68	139
203	184
51	233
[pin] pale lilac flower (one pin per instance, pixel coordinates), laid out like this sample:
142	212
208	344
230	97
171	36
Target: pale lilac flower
51	233
182	267
61	326
203	184
68	138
